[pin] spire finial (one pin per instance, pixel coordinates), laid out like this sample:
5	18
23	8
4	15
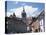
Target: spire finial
23	9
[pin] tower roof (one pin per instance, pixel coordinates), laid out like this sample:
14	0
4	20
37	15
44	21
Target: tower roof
23	9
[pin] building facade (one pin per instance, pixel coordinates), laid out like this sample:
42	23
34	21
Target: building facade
25	24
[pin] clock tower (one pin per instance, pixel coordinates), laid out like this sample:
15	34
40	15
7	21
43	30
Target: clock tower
23	13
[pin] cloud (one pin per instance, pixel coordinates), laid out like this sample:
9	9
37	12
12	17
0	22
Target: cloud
15	2
28	9
9	13
23	4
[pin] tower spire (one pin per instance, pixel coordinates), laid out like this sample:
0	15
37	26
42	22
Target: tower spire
23	13
23	9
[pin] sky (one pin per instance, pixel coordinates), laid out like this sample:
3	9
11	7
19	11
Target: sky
31	9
